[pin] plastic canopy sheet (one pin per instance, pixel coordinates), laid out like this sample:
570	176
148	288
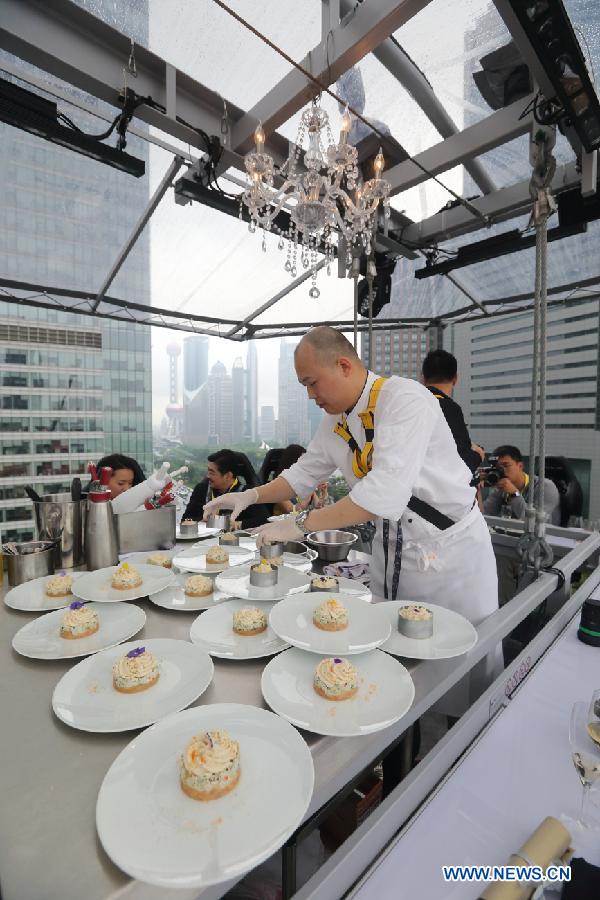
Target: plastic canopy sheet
519	772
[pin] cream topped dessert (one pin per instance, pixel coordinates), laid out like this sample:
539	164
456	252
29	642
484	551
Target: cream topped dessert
415	621
331	615
136	671
335	679
263	567
59	585
324	583
229	538
78	621
126	576
217	556
198	586
159	559
249	620
209	767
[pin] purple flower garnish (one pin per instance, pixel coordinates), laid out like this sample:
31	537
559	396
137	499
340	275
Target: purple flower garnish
336	660
62	573
137	652
76	605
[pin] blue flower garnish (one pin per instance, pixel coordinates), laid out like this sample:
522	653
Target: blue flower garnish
137	652
76	605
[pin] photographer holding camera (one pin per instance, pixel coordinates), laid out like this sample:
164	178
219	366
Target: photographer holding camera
510	492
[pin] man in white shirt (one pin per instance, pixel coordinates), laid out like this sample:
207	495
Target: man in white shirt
409	473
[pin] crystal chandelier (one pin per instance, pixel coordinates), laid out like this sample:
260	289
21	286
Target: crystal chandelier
324	198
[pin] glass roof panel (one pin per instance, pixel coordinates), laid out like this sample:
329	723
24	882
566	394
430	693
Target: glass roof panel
569	260
446	41
195	35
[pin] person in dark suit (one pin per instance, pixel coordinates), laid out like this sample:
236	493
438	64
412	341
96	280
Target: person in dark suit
440	375
228	471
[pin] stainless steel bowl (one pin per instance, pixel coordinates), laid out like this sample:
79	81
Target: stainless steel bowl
229	539
264	579
222	520
332	546
271	550
296	547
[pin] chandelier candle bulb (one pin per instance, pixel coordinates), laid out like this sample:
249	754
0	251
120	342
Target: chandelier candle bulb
379	164
345	126
259	138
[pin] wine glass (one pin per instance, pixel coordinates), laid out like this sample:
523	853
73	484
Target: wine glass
585	754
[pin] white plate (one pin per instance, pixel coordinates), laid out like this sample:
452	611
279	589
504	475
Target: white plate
214	632
194	560
203	531
32	596
248	543
96	586
292	619
141	558
386	692
235	582
85	698
453	635
351	586
41	638
154	832
175	598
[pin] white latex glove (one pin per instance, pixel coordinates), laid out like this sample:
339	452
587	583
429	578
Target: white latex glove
236	502
159	478
283	530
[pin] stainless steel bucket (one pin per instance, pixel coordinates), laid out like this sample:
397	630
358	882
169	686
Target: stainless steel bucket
34	560
60	519
149	529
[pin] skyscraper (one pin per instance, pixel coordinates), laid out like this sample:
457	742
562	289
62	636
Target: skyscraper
396	352
293	422
71	387
239	394
220	406
252	391
195	361
266	430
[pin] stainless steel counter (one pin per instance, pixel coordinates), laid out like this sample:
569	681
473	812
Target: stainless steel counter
50	774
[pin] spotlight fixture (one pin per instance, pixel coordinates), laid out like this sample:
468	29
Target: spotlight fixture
550	33
382	284
28	111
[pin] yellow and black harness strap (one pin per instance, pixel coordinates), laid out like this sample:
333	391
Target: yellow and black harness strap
362	460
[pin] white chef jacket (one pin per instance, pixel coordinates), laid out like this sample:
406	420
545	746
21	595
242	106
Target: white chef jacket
414	453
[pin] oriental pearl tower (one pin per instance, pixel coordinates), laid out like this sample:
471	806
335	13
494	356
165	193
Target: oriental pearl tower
174	410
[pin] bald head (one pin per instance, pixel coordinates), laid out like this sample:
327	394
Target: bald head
329	367
328	345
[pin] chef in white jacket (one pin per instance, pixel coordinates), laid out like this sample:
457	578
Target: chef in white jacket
391	441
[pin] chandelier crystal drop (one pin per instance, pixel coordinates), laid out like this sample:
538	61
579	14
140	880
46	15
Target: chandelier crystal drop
325	196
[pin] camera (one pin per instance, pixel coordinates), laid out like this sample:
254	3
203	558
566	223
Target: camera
488	474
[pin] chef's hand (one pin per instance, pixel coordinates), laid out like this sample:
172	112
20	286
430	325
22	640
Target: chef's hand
283	530
506	485
236	502
160	478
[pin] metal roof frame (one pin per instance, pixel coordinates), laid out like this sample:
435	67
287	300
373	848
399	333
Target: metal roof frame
76	47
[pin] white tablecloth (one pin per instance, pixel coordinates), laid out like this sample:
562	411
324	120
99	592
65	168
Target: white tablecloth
518	772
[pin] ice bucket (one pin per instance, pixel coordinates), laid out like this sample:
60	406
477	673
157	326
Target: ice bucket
149	529
60	519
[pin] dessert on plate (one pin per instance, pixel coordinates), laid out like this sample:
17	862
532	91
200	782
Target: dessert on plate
126	576
198	586
331	615
230	539
160	559
415	621
263	574
209	767
324	583
249	620
136	671
59	585
335	679
78	621
188	526
217	556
